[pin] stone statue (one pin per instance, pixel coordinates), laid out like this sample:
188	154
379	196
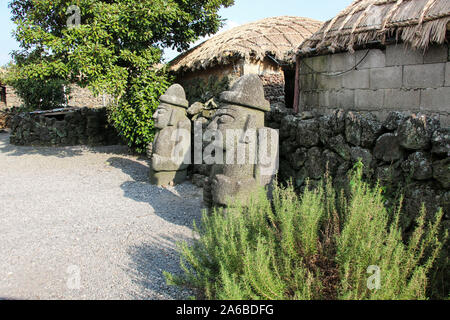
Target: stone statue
240	119
170	151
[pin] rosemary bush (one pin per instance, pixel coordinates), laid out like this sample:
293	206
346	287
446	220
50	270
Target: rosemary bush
319	245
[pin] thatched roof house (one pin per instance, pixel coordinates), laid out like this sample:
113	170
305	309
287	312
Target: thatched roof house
378	55
415	22
263	47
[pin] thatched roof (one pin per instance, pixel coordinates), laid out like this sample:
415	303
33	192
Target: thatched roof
278	36
415	22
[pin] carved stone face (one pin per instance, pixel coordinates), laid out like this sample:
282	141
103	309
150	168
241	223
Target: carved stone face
168	162
234	117
162	116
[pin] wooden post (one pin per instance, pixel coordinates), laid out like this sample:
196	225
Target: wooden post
297	85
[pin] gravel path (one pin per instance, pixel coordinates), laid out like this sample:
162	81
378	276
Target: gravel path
90	212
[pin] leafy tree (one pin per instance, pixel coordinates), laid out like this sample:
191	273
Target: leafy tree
115	49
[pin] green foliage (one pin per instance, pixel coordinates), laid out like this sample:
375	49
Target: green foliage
37	94
114	50
132	115
315	246
199	90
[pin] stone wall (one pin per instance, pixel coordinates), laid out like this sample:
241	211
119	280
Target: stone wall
271	74
82	97
408	154
83	126
6	115
12	99
274	87
391	78
79	98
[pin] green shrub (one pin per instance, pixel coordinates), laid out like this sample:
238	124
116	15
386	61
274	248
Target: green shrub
319	245
132	115
37	94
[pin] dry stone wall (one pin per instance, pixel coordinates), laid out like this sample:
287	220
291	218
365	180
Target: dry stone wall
274	87
407	153
392	78
83	126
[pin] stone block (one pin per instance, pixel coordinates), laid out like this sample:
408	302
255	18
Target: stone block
309	99
402	99
357	79
324	99
399	55
418	166
307	82
341	62
314	65
326	82
388	148
436	54
386	78
424	76
441	172
435	99
369	99
416	131
376	58
308	133
305	65
441	142
342	98
447	74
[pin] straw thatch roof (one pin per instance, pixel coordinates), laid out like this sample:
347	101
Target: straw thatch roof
278	36
415	22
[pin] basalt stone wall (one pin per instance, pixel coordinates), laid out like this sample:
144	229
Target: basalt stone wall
408	154
274	87
6	116
83	126
200	114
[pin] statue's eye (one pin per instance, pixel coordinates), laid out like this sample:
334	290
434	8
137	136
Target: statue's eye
225	119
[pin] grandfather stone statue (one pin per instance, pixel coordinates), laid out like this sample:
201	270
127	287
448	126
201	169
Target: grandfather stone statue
250	151
170	152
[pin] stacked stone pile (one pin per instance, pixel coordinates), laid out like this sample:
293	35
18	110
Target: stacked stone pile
6	116
408	153
203	113
3	120
83	126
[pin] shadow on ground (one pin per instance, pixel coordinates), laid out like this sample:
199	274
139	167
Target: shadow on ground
148	264
180	205
59	152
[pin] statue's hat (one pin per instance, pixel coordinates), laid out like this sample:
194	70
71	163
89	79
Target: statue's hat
176	96
248	91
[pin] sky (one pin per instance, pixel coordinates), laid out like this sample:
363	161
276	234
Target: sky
243	11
